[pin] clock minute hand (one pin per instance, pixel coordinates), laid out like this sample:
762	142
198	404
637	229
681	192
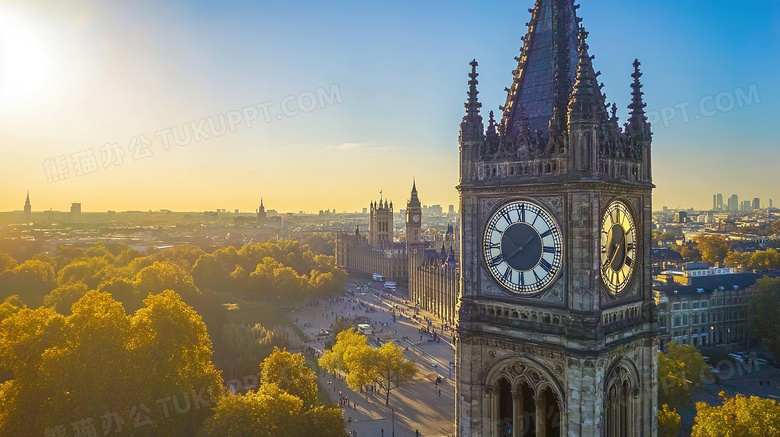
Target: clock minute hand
617	245
519	248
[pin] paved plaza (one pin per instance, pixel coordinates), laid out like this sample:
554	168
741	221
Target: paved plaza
420	405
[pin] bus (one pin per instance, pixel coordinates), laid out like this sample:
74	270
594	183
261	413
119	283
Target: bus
378	278
390	285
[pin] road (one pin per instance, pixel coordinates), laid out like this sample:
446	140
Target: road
421	405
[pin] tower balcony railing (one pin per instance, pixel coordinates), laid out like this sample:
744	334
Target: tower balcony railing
487	170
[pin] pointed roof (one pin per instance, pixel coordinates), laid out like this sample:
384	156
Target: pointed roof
414	201
546	69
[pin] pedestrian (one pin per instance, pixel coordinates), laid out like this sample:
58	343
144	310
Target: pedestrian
439	392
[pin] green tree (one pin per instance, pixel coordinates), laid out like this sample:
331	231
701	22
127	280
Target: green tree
738	416
713	248
7	262
679	371
172	352
10	306
267	412
690	253
62	297
765	260
289	372
764	307
165	276
737	259
668	422
392	369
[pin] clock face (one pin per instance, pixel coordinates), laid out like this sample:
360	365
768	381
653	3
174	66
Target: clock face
523	247
618	247
415	218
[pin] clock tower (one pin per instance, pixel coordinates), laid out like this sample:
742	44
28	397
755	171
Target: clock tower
556	328
414	218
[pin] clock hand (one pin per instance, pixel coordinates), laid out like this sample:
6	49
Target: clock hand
519	248
617	245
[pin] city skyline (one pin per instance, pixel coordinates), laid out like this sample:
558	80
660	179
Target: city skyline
374	96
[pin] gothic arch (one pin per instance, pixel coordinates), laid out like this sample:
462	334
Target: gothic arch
523	396
621	390
520	368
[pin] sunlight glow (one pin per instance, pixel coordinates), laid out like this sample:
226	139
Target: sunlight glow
23	61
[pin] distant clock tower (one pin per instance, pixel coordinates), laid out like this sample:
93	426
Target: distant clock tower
556	328
414	217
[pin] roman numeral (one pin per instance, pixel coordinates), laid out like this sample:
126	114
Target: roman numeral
549	249
536	276
505	216
521	212
497	260
629	261
508	275
629	246
522	278
547	233
494	246
545	265
603	248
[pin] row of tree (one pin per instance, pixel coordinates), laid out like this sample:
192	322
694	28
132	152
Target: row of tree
365	365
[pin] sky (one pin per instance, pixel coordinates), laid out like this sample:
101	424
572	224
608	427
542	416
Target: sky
192	105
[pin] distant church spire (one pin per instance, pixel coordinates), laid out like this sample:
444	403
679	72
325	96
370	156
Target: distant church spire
27	206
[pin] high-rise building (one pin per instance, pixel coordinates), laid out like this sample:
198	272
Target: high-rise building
719	204
75	211
27	207
546	341
733	203
756	203
746	205
451	210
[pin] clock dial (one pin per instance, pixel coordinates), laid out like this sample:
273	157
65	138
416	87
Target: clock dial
618	247
415	218
523	247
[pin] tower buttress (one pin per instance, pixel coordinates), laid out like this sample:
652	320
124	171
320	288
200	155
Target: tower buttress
638	128
584	103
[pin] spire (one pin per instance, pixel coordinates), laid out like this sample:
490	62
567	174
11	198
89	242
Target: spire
443	252
584	98
472	104
637	120
414	201
261	202
471	126
545	70
28	196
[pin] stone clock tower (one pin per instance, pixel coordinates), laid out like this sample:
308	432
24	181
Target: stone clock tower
556	329
414	218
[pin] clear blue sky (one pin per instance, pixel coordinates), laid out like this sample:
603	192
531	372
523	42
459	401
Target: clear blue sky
91	73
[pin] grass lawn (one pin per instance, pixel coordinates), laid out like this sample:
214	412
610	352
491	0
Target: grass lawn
263	313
